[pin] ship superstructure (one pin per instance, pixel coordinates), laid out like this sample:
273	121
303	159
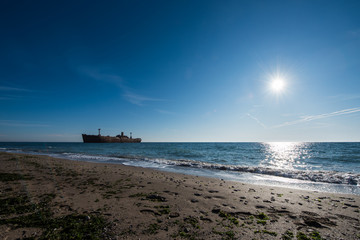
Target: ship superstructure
121	138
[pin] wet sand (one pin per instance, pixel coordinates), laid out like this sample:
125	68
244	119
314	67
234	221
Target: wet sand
120	202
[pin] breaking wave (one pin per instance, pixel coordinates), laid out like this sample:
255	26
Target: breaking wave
318	176
307	175
332	177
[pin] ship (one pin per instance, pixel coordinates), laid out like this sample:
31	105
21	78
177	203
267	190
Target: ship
121	138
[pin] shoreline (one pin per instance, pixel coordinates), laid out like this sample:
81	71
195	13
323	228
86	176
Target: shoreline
145	203
243	176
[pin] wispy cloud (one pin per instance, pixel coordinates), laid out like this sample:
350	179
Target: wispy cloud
11	97
354	33
165	112
10	123
12	89
319	116
101	76
13	93
138	99
345	97
256	120
129	95
7	98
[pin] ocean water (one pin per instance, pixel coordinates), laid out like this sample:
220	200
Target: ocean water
326	167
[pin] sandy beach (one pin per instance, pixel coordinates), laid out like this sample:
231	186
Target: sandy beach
47	198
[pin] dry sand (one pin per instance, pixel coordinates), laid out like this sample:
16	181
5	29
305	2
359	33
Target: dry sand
139	203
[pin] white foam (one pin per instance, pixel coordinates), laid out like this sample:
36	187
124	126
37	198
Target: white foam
307	175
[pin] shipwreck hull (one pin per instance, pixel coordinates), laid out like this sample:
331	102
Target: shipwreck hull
108	139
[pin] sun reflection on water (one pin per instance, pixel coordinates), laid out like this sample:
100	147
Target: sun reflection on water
285	155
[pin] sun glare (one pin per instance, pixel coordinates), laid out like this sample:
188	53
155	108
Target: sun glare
277	85
284	155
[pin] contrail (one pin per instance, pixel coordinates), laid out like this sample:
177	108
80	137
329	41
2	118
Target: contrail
257	120
319	116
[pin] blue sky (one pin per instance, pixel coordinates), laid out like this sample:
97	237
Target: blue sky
180	70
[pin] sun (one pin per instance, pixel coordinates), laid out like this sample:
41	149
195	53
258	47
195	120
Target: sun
277	85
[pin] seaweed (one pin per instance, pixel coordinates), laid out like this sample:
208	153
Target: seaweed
75	226
288	235
18	205
152	229
7	177
38	215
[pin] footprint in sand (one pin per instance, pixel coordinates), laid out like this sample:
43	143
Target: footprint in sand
213	191
220	197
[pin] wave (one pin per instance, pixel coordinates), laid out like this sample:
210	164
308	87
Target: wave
85	157
307	175
9	149
332	177
314	176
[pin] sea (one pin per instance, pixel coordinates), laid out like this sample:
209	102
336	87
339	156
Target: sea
316	166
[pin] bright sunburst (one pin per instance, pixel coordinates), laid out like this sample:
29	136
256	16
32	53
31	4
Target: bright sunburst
277	85
277	82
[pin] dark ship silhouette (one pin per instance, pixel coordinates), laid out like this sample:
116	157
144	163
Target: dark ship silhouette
109	139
